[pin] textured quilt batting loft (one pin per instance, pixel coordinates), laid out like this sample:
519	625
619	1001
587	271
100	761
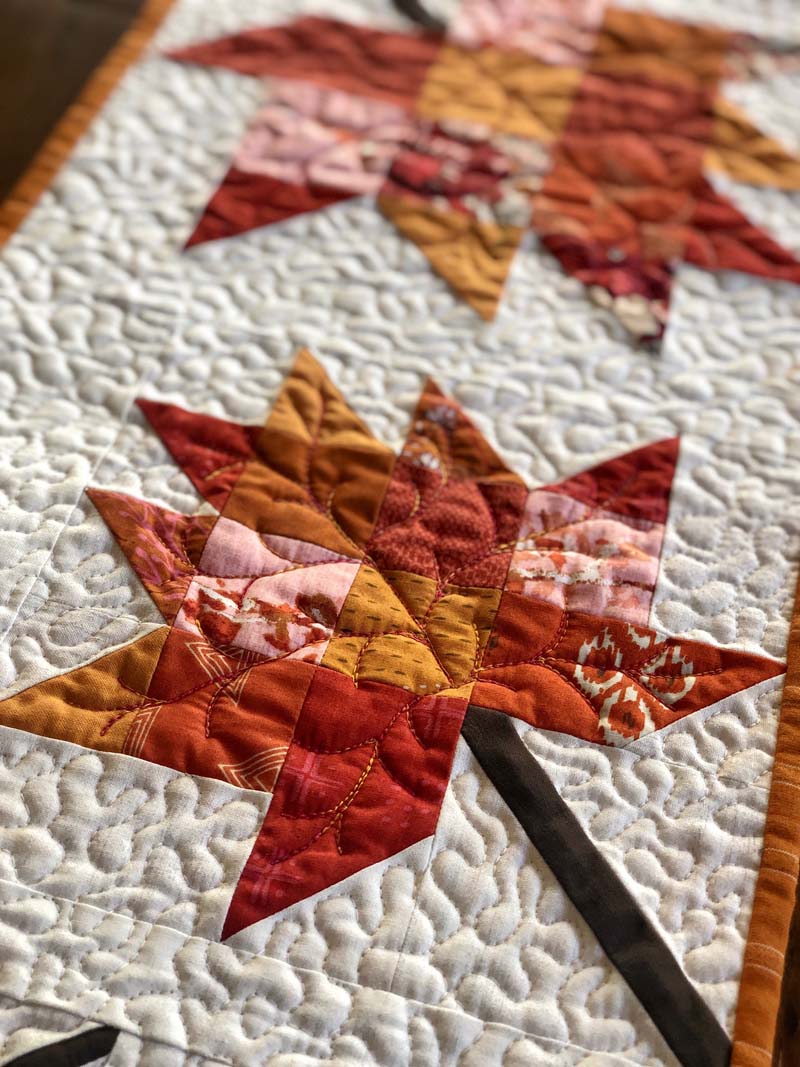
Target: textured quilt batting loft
400	520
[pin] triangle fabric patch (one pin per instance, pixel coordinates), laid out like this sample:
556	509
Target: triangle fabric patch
636	484
473	257
163	547
247	201
211	452
377	63
744	153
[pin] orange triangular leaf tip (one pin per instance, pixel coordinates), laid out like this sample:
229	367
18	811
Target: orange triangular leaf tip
472	256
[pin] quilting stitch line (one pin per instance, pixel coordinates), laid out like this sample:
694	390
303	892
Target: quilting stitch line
208	1059
145	379
243	955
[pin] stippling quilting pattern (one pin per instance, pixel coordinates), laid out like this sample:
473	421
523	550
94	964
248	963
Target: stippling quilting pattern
460	945
691	543
93	272
365	998
704	828
105	831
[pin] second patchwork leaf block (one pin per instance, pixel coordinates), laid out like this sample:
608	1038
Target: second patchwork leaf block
598	128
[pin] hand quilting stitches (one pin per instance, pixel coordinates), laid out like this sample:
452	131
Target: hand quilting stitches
327	626
593	126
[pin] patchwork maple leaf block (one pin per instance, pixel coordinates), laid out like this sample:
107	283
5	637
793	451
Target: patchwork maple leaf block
328	626
591	125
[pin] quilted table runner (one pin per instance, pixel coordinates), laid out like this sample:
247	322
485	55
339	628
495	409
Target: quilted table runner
399	533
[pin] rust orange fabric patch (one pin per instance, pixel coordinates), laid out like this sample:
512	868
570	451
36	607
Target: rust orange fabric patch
328	624
596	130
765	1032
474	257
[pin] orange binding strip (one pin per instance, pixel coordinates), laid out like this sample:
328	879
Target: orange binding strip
760	1034
76	119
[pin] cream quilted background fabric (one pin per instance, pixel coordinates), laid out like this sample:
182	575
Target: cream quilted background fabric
114	873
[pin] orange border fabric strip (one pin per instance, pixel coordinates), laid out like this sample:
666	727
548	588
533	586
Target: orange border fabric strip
756	1040
76	119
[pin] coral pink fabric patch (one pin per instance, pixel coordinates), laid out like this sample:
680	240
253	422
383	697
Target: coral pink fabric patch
597	562
273	615
554	31
308	134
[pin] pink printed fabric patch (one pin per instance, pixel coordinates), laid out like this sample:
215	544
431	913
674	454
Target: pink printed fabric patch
253	598
235	551
554	31
309	134
586	560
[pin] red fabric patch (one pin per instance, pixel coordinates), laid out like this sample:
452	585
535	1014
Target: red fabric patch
451	502
636	484
222	715
675	118
620	274
452	527
390	66
246	201
211	452
718	236
363	780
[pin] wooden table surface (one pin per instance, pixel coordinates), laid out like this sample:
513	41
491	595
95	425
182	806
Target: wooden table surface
48	48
